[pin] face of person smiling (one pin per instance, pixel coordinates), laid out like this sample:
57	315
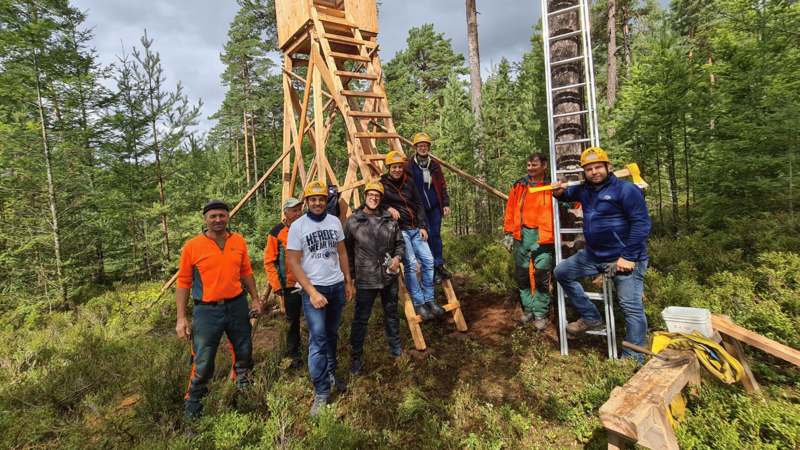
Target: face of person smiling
422	149
536	169
293	214
372	199
396	171
596	173
316	204
217	220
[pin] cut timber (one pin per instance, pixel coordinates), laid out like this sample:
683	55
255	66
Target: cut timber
337	21
637	411
361	76
734	347
347	40
411	316
454	305
371	114
358	94
365	135
348	57
756	340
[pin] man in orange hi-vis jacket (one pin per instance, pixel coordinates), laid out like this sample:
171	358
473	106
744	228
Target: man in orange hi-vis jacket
215	269
529	236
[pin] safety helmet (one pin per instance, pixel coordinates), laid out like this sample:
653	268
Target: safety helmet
374	186
394	158
315	188
422	137
593	155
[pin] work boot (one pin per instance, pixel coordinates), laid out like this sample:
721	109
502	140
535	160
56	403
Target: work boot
338	383
582	326
437	279
396	352
527	317
540	323
355	367
295	363
423	311
444	273
319	404
436	309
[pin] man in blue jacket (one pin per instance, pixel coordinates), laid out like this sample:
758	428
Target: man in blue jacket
616	224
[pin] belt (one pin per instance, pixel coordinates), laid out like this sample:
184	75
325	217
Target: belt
218	302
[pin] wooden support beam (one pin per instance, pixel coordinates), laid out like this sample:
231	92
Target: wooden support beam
360	76
756	340
454	305
412	317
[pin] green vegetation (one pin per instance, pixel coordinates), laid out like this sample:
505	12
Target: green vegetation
112	374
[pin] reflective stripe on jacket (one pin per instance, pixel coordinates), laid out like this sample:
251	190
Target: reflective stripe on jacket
530	210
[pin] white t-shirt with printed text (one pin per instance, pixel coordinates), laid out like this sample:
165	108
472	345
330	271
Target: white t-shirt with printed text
317	242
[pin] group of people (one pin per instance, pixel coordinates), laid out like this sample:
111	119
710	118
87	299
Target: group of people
317	265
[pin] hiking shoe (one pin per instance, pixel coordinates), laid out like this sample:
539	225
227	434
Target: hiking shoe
437	279
338	383
396	352
355	368
444	273
436	309
423	311
540	323
295	363
319	404
527	317
582	326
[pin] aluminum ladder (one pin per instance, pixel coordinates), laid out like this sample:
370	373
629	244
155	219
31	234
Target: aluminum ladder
586	87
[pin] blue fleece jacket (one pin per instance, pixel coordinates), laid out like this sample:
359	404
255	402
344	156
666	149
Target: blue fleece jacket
616	222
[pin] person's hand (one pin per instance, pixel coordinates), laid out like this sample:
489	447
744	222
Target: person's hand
256	305
508	242
625	266
424	233
395	214
183	328
348	292
395	264
317	299
557	189
446	211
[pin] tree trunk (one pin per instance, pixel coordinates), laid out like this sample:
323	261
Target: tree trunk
626	35
611	68
686	167
475	83
51	189
238	168
671	173
246	150
161	197
255	153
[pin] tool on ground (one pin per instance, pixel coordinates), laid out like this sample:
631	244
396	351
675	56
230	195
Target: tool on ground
719	363
667	362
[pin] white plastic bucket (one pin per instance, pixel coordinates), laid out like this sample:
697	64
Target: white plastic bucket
685	320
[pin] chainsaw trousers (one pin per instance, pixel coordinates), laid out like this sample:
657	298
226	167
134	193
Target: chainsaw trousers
629	287
209	322
294	306
533	283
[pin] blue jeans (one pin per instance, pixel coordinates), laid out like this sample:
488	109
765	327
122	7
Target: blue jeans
417	250
323	335
434	219
629	288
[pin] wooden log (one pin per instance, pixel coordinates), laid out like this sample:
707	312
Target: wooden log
411	316
454	305
756	340
734	347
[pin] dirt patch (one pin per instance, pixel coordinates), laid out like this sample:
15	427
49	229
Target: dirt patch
420	355
266	338
489	317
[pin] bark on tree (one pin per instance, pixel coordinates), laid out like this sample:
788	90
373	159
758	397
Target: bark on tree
255	152
157	149
244	122
51	189
475	91
611	67
626	42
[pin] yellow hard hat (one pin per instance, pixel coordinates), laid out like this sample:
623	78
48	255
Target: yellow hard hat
374	186
422	137
593	155
394	158
315	188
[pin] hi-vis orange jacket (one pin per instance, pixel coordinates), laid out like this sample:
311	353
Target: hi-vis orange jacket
530	210
213	274
275	259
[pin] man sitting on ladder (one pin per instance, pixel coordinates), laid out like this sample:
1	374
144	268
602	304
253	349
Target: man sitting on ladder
402	200
529	237
616	224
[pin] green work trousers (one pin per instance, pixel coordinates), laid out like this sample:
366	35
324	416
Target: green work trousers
534	285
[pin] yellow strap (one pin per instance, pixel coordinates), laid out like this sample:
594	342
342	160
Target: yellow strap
726	368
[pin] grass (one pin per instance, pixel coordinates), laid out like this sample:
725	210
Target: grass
112	374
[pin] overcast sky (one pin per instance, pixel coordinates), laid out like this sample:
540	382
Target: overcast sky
189	34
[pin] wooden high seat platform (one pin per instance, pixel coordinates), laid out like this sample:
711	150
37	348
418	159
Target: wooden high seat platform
638	411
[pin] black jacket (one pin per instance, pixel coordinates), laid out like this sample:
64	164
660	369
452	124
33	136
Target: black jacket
402	195
365	254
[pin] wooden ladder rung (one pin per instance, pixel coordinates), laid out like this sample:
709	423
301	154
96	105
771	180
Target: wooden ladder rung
337	21
451	306
365	135
370	114
362	94
349	57
361	76
347	40
373	157
327	10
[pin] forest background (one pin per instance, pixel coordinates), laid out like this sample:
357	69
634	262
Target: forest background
103	173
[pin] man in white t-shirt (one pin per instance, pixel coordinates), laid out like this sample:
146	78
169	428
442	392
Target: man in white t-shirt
317	257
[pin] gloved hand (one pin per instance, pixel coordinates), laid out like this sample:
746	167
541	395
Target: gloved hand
508	242
611	269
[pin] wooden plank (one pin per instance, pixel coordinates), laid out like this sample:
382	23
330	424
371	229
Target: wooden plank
363	13
368	135
347	40
411	316
337	21
756	340
291	16
360	76
734	348
320	147
358	94
379	157
348	56
329	10
615	441
454	305
297	62
371	114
